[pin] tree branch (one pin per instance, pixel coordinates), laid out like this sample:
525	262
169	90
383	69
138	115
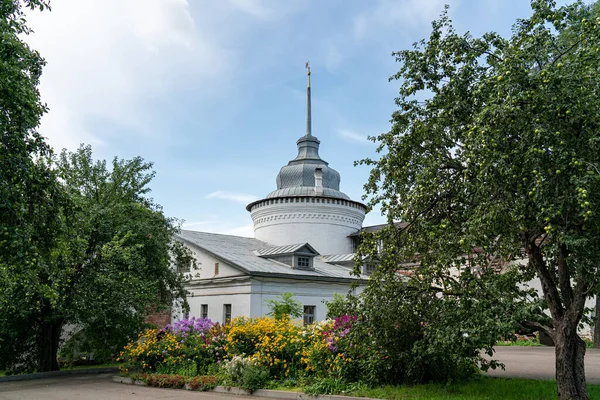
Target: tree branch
548	285
540	327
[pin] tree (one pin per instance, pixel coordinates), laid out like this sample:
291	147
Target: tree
286	305
494	154
596	336
113	262
30	196
403	332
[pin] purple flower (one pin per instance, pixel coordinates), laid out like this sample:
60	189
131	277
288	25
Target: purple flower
186	326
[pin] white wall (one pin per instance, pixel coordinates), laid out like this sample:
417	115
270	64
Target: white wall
206	263
236	292
324	225
308	293
586	329
248	296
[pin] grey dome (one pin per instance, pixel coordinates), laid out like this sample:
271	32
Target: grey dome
298	177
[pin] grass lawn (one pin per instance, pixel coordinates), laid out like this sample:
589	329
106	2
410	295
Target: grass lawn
480	389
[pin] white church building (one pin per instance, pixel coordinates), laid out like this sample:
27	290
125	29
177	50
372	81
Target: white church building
305	236
306	232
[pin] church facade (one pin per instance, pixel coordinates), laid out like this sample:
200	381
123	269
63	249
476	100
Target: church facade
305	237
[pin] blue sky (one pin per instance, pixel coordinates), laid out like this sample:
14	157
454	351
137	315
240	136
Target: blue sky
213	91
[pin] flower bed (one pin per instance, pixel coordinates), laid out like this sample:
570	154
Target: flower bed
253	353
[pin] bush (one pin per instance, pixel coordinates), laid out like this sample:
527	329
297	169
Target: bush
177	366
152	348
385	337
174	348
404	334
273	344
236	368
165	381
286	306
255	377
330	386
203	383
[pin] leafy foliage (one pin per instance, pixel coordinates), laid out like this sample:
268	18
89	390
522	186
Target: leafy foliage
494	151
79	243
271	343
285	306
187	347
110	263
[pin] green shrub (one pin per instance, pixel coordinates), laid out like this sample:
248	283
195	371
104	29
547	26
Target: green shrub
285	306
164	380
203	383
177	366
254	377
326	386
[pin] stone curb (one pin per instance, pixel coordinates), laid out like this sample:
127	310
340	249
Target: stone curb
272	394
53	374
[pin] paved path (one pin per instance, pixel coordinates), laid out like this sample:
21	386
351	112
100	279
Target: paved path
521	362
538	363
99	387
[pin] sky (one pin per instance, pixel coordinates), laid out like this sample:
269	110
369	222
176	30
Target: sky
213	92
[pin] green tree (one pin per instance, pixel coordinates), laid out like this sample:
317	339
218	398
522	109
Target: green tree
30	197
493	154
286	305
114	261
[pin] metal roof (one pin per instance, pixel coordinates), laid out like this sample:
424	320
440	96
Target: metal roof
280	250
239	252
333	258
297	178
307	191
375	228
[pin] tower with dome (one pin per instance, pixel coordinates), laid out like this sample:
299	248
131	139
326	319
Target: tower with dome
307	205
305	236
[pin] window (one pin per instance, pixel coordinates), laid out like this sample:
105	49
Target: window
226	313
204	310
216	268
303	262
183	268
370	267
309	314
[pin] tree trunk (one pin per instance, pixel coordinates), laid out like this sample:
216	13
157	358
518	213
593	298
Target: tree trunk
597	324
570	371
48	340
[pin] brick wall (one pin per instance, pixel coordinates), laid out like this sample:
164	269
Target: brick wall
160	319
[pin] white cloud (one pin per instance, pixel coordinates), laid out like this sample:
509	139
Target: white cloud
351	136
333	57
256	8
378	21
108	58
409	14
241	198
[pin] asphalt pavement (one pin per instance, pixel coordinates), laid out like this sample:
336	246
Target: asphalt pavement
520	362
538	363
96	387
